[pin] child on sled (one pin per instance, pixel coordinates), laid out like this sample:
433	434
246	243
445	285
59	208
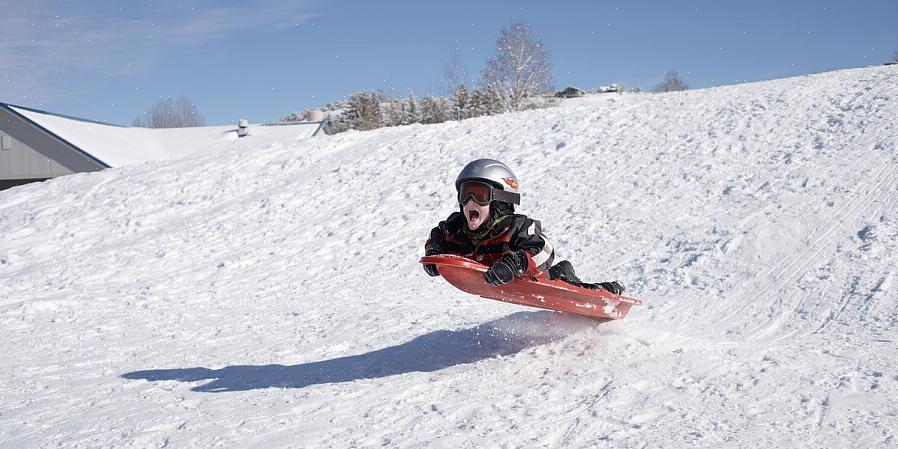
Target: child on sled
487	230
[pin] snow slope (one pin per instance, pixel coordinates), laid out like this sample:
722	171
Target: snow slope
277	301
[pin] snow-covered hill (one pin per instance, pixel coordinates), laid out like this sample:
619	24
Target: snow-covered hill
273	298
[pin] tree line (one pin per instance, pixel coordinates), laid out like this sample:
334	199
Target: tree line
368	110
516	77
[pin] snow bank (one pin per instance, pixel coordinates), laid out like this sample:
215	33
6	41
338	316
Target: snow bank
276	301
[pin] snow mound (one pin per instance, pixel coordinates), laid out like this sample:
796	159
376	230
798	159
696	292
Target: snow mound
758	222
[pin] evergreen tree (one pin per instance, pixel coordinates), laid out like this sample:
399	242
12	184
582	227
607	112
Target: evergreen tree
434	110
335	123
364	112
476	107
493	101
410	110
392	113
460	102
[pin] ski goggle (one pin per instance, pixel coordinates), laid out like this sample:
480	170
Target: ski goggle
483	194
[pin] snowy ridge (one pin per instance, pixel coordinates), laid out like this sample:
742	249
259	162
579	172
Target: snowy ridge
276	301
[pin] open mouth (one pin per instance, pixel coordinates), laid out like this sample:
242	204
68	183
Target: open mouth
475	214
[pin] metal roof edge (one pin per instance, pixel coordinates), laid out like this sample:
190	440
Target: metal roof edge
319	128
70	117
11	109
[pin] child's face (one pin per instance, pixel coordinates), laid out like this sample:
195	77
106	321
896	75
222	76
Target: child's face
475	214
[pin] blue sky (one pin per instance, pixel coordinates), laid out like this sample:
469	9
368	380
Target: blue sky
110	60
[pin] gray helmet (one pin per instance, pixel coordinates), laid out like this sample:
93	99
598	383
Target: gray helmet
494	173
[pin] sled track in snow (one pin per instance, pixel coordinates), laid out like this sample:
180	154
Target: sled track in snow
761	313
881	193
861	208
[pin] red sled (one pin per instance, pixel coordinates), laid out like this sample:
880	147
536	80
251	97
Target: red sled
467	275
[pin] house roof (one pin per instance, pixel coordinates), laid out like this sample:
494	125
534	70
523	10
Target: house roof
116	146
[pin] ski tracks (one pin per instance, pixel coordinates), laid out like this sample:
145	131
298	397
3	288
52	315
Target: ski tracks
764	307
866	206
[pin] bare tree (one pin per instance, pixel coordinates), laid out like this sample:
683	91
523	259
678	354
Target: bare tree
168	113
520	66
455	72
672	83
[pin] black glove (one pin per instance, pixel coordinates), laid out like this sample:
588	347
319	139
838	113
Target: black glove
431	269
433	248
505	269
613	287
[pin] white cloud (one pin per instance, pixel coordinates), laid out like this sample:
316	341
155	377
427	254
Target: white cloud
45	43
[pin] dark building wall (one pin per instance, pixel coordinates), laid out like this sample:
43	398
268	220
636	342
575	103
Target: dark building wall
18	161
10	183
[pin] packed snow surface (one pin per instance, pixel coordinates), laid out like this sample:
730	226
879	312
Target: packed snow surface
274	298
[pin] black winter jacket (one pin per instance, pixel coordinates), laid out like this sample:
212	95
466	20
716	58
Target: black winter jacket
504	233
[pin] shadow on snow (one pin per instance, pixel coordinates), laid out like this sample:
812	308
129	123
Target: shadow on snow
430	352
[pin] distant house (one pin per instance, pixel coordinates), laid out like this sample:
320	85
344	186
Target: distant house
37	145
570	92
29	152
609	89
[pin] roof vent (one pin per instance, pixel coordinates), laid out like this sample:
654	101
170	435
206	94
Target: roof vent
242	128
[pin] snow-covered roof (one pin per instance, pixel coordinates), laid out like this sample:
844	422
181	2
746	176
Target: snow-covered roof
117	145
